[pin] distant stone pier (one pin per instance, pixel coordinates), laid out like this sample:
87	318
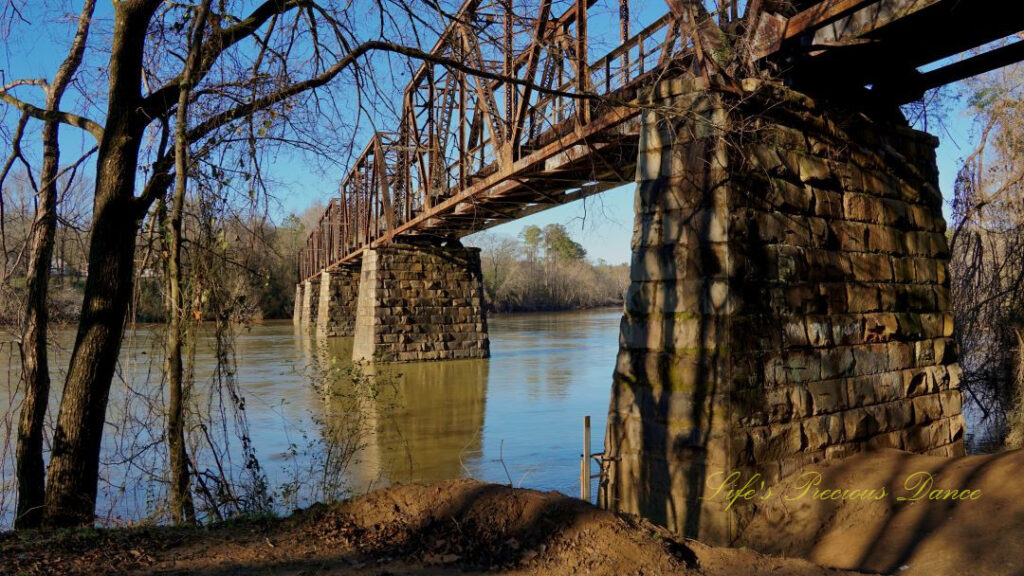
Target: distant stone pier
401	303
789	301
310	307
297	305
339	292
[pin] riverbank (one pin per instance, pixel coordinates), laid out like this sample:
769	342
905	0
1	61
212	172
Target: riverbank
456	526
466	526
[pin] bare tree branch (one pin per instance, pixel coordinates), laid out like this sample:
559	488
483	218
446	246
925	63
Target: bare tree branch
19	132
55	115
160	102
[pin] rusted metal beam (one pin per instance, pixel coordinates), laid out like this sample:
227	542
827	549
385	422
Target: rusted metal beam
773	30
820	14
582	65
484	91
869	18
532	57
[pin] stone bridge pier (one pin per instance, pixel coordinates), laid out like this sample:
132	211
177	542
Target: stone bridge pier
297	305
401	303
307	303
789	301
339	291
420	303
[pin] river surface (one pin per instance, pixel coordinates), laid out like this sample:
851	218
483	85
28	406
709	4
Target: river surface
513	418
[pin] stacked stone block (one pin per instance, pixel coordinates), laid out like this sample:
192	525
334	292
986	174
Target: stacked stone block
310	303
420	303
339	292
789	301
297	305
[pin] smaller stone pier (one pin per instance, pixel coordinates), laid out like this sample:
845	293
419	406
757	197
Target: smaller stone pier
297	306
420	303
310	303
339	291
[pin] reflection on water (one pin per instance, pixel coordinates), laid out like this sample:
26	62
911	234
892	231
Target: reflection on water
424	424
515	417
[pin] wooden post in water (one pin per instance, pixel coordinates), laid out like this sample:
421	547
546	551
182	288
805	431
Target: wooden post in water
585	461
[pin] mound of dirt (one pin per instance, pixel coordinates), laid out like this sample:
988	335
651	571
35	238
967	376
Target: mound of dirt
933	531
487	527
458	526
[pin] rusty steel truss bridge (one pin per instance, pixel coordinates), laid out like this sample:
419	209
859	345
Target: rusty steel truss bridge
548	121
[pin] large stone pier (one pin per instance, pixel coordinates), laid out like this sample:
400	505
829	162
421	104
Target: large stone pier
789	301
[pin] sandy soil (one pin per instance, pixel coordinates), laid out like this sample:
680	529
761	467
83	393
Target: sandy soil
980	537
459	526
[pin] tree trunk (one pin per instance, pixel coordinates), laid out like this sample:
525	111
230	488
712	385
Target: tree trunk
74	464
34	362
117	215
182	508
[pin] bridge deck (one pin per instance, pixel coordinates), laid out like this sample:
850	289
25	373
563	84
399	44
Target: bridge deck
473	152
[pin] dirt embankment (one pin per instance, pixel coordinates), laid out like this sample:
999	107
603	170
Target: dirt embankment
464	526
459	526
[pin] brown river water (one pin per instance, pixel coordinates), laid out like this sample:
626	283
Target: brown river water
513	418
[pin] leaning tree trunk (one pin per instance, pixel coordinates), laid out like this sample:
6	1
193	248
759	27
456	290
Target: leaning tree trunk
34	362
117	215
74	463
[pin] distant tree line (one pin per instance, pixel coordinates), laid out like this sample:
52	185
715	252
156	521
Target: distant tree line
545	269
68	266
542	269
262	255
